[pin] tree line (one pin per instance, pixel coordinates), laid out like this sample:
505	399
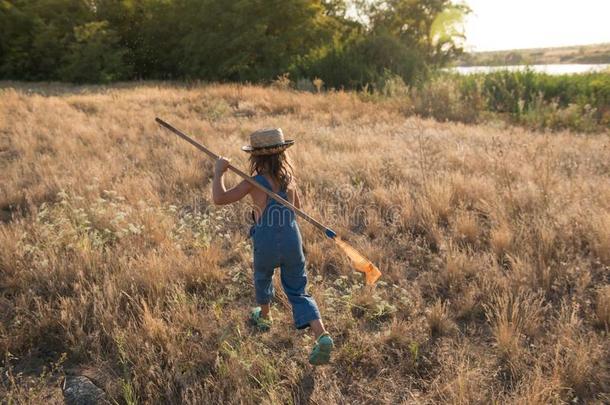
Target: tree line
348	44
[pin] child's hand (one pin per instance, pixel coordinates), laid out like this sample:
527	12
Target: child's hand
222	164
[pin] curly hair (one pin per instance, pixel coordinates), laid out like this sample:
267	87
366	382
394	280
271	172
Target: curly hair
277	166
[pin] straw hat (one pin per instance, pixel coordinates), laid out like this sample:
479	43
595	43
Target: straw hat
267	141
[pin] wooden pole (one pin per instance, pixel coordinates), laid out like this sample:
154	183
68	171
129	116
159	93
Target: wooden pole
329	232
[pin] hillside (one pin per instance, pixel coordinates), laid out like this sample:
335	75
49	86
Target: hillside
493	241
586	54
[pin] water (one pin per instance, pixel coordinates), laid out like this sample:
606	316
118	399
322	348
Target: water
550	69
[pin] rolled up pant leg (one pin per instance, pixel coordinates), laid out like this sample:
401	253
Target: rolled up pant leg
294	281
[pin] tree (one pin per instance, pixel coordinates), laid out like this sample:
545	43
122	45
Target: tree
251	40
16	30
38	33
431	27
151	31
346	43
95	55
406	38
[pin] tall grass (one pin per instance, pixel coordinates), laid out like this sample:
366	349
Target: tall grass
537	101
115	264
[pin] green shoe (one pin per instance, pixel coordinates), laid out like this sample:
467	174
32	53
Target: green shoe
263	324
321	351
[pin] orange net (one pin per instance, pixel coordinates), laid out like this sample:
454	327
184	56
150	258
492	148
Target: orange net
359	262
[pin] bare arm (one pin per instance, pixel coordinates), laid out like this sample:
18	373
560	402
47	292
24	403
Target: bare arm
220	195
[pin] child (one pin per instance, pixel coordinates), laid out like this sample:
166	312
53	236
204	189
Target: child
275	235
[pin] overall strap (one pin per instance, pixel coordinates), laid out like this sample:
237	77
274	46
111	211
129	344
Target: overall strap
262	180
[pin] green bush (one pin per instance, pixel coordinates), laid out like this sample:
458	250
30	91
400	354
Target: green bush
364	62
538	100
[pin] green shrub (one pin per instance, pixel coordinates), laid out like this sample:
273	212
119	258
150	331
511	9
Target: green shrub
537	100
365	62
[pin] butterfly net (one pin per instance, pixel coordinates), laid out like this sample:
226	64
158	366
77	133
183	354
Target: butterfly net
359	262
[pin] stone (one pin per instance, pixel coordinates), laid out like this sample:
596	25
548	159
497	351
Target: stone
79	390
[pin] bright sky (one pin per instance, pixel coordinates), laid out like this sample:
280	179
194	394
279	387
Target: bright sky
515	24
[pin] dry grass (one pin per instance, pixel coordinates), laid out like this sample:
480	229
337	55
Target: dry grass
494	245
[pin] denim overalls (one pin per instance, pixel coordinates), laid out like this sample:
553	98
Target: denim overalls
277	242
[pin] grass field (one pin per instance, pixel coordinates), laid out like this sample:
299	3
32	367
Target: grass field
114	264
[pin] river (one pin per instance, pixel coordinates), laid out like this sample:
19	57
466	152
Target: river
556	69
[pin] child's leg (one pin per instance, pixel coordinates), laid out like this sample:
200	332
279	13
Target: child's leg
265	310
317	327
264	263
263	288
304	309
